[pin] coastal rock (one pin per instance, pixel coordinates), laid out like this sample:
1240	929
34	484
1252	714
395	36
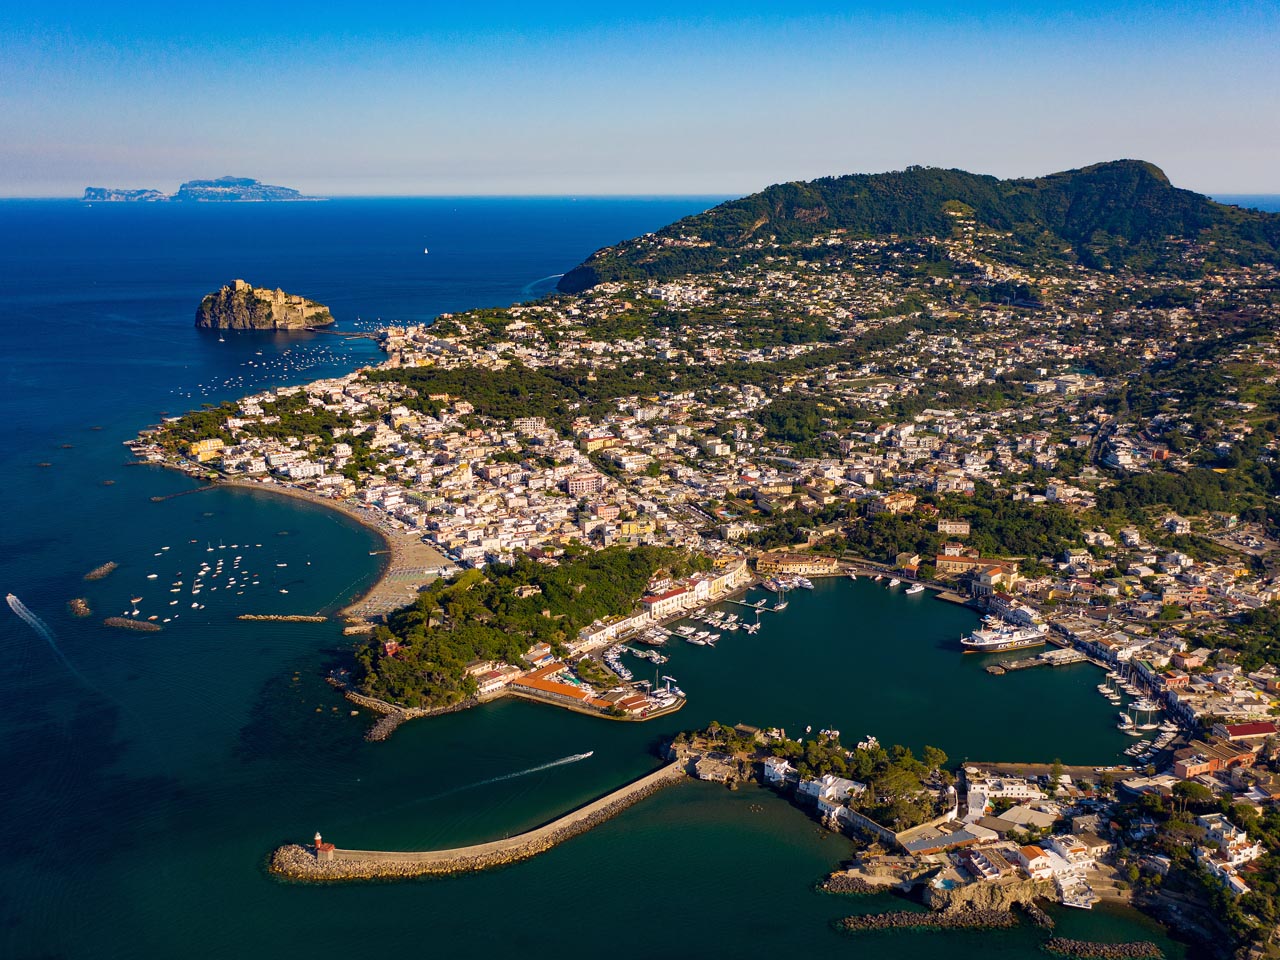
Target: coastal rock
79	607
988	896
240	306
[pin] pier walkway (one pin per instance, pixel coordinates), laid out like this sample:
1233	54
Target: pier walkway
330	863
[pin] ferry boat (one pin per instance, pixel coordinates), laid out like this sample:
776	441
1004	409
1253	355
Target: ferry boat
915	588
996	636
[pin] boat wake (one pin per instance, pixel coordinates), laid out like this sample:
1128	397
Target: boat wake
532	287
563	761
524	773
46	633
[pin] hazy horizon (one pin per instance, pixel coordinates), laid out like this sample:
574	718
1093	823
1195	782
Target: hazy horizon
665	100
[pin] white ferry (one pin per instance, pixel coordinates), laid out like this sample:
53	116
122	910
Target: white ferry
914	589
996	636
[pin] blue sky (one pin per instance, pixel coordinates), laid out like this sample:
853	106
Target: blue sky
557	98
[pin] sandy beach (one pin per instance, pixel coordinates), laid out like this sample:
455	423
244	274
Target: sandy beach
409	564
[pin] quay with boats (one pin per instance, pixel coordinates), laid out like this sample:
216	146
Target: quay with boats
1050	658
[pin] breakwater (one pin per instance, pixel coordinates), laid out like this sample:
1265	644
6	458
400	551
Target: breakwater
391	715
283	617
182	493
848	883
298	862
128	623
1091	950
389	721
97	573
976	919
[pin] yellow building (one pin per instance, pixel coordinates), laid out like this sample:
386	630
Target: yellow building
206	450
895	503
796	564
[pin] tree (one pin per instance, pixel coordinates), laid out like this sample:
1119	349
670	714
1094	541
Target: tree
1055	775
1189	793
933	758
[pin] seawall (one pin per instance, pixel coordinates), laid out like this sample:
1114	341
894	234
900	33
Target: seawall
299	862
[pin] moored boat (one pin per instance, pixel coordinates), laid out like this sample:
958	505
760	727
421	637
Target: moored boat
996	636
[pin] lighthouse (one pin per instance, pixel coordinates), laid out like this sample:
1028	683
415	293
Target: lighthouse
324	851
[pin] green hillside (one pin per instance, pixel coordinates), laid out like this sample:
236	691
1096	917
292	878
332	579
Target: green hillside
1124	213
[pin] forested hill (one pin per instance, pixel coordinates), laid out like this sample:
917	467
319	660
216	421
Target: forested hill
1124	213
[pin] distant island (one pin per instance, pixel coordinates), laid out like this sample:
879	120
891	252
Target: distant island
241	306
221	190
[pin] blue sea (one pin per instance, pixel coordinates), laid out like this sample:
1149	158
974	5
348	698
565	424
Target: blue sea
147	776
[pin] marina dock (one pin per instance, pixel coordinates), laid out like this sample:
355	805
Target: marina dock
1050	658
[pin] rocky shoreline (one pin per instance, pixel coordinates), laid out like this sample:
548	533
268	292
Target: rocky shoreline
390	715
298	862
1091	950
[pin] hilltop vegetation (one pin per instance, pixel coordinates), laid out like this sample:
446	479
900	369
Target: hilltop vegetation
485	616
1110	215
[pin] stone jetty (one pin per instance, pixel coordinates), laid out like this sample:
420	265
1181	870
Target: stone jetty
283	617
1091	950
324	863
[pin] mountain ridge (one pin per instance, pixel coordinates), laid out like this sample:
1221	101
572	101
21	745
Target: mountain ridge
1120	213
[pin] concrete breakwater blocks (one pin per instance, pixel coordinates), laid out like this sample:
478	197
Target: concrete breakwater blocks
298	862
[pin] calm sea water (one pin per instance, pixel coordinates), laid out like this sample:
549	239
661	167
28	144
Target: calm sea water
147	776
